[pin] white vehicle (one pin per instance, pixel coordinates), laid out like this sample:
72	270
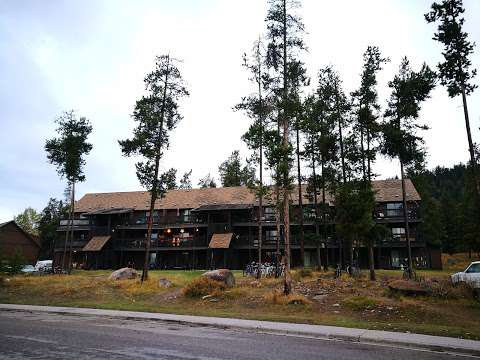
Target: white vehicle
470	276
28	269
44	266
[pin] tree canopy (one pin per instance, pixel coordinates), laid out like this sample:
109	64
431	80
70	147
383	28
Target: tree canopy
28	220
232	173
67	150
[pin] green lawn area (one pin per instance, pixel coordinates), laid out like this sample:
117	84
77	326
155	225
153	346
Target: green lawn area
318	299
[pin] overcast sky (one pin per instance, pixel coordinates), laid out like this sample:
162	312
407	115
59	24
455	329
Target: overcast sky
91	56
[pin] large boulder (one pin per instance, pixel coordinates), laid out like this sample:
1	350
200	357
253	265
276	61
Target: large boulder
408	287
222	275
123	274
165	283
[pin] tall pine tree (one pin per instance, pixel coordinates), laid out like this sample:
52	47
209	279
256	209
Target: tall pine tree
156	114
455	72
400	138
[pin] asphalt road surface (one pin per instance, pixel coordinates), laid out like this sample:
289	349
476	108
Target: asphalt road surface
53	336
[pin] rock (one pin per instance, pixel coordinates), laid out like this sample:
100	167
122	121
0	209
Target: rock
319	297
407	287
223	275
165	283
336	305
123	274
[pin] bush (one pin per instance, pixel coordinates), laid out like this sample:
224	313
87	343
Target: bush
17	262
278	298
445	290
14	264
359	303
202	286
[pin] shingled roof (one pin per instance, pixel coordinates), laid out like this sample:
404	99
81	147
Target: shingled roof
385	191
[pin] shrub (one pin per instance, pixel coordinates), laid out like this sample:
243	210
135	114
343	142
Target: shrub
202	286
277	297
359	303
445	290
17	261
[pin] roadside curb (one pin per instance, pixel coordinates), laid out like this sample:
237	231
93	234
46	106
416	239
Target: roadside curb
405	340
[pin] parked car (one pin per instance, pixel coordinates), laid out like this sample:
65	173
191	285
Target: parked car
28	269
470	276
44	266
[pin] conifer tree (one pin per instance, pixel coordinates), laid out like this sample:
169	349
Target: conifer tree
67	153
368	108
207	182
400	138
255	106
284	28
185	182
455	72
156	114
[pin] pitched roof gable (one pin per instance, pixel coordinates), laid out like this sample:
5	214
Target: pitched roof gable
33	238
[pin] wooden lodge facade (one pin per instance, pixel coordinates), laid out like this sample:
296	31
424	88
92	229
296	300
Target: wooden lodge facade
14	240
218	227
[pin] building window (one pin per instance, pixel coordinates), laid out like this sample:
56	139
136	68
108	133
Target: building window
155	216
269	213
271	235
398	233
394	209
186	215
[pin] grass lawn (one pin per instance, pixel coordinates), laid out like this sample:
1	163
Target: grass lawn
317	299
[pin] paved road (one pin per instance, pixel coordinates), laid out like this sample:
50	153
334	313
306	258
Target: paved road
47	336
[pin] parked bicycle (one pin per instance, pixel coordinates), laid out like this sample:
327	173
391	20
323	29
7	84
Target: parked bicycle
266	270
338	271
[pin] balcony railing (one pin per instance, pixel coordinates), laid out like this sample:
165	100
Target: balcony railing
164	220
76	222
388	214
139	243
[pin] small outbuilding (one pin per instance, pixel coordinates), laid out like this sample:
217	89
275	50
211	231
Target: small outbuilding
13	238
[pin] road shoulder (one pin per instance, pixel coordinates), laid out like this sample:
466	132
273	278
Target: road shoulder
407	340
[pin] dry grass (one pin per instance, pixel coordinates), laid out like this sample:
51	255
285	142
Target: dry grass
318	298
203	286
360	303
277	297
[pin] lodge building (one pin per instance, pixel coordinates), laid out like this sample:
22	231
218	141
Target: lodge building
218	227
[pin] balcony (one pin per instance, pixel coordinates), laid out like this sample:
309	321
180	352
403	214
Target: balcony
175	243
78	224
389	215
169	220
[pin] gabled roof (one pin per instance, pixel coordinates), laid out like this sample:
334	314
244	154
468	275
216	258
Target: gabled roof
96	243
33	238
385	191
220	241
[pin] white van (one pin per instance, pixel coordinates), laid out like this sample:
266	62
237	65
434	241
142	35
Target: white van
44	266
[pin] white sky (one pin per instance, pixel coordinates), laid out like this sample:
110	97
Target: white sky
91	56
